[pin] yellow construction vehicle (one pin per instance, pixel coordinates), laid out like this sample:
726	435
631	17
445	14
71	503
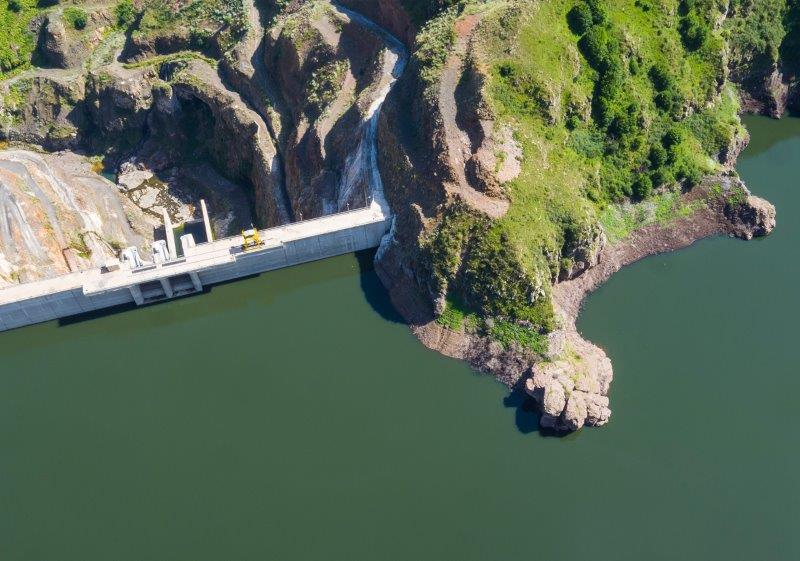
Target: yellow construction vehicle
251	239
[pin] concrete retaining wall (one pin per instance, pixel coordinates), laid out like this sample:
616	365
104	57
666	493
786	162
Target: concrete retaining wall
65	296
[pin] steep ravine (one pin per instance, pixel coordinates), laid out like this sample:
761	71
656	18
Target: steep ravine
156	122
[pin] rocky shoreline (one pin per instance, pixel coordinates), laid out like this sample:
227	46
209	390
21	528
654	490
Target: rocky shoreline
571	383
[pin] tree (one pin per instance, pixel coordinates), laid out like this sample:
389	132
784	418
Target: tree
693	31
580	18
598	9
657	156
125	13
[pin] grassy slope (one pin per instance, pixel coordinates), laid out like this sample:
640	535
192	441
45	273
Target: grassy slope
563	179
203	18
577	172
16	43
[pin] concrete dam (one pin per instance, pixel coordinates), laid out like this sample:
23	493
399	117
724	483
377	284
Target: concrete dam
171	275
206	264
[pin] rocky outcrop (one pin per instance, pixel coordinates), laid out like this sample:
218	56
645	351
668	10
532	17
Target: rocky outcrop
117	104
750	216
728	156
296	136
389	14
62	46
53	44
763	87
582	249
439	162
235	136
572	388
46	109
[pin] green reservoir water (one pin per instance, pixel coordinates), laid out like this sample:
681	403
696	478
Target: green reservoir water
292	417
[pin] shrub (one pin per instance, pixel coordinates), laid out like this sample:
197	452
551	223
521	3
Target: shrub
643	187
688	171
657	156
580	18
507	333
588	143
14	5
670	102
598	10
597	46
624	124
125	13
661	176
521	93
661	77
76	17
615	178
694	32
672	138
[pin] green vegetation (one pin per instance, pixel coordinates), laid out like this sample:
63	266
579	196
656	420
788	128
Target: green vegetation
618	106
621	220
16	41
756	28
78	243
325	84
76	17
423	10
433	44
507	333
125	14
456	315
161	59
225	20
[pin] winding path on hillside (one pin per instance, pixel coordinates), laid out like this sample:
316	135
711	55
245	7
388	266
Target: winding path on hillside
458	142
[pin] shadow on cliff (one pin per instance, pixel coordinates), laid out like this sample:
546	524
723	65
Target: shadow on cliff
527	414
375	293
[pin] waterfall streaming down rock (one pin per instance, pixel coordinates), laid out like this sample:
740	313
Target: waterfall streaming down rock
361	179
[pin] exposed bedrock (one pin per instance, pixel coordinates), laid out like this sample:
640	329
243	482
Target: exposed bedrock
389	14
46	109
56	216
136	114
764	88
327	69
233	135
572	387
287	114
62	46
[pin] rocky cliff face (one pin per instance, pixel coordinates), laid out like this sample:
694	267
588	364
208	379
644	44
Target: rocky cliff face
62	45
389	14
326	68
763	54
